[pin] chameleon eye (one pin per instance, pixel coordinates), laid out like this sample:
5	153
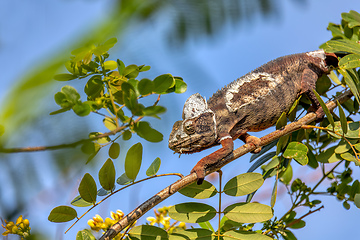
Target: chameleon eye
189	127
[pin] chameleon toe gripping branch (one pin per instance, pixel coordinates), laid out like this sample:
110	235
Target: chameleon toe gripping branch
251	103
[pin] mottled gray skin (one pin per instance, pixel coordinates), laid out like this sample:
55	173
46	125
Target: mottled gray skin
251	103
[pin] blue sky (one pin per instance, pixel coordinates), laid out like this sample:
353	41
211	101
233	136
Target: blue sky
31	31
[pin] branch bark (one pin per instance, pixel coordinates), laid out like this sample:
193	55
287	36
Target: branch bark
185	181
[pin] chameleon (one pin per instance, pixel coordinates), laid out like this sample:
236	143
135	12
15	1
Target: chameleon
251	103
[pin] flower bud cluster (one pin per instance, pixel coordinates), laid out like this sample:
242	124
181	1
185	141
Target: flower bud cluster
21	227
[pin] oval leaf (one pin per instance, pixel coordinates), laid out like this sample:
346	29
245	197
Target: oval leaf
297	151
192	234
244	235
163	83
85	235
145	86
62	214
144	130
325	109
79	202
148	232
192	212
248	212
110	65
133	161
107	175
87	188
205	190
123	180
243	184
357	200
154	167
114	150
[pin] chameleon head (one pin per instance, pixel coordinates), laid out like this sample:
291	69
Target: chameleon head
197	130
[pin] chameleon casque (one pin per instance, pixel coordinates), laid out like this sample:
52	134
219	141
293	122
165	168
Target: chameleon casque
251	103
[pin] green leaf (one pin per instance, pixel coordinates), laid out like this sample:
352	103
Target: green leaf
71	94
133	161
105	47
192	234
85	235
343	120
144	130
205	190
109	123
62	214
243	184
245	235
348	157
120	66
126	135
2	130
353	130
328	156
154	111
90	147
145	86
287	175
349	80
64	77
148	232
110	65
281	122
114	150
297	151
288	235
144	68
123	180
102	192
154	167
206	225
274	194
248	212
298	225
353	18
131	71
325	109
323	84
79	202
87	188
342	147
180	85
192	212
94	87
350	61
163	83
357	200
272	164
81	109
341	45
107	175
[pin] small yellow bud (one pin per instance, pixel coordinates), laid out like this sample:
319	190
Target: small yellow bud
14	230
98	218
90	222
182	225
19	220
26	222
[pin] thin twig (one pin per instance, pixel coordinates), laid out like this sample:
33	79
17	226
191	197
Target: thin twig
180	184
305	215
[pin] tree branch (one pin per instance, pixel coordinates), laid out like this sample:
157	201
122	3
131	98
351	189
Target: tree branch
185	181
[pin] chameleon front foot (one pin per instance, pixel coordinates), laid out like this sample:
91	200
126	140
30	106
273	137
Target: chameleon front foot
200	173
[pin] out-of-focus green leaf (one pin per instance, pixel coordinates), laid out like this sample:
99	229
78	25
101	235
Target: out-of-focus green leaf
192	234
192	212
133	161
357	200
94	87
120	66
123	180
154	167
114	150
323	84
144	130
281	122
298	225
62	214
109	123
343	120
64	77
79	202
131	71
145	86
87	188
110	65
353	18
163	83
153	111
205	190
85	235
107	175
81	109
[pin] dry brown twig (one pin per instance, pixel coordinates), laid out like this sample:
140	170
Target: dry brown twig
187	180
